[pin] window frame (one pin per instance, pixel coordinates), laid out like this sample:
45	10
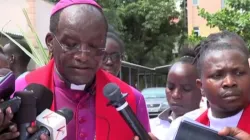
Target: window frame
196	29
195	4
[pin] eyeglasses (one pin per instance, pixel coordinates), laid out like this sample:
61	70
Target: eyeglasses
113	57
92	51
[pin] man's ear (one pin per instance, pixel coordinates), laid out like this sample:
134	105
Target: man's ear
49	41
199	85
12	59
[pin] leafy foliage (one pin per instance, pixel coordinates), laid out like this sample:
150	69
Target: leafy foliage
148	27
193	39
235	17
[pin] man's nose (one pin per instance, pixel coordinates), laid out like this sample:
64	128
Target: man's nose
109	61
176	94
229	81
82	56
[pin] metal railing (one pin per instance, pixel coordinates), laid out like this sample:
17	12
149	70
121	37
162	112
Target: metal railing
143	77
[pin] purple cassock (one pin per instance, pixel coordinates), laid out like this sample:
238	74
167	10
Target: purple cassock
82	126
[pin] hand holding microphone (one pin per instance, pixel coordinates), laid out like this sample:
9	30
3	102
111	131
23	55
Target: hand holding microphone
113	93
7	108
53	124
8	130
34	99
42	131
26	105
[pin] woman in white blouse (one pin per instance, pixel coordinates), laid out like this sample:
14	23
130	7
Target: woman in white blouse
182	95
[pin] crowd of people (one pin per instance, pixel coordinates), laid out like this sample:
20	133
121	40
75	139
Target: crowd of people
86	56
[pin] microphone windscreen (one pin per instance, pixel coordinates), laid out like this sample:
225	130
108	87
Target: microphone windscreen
112	92
27	111
66	113
43	95
34	99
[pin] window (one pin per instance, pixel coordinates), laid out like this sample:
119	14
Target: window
195	2
196	31
222	3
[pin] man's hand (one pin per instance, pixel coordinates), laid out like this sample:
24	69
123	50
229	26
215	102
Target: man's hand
12	134
235	132
150	134
33	130
5	122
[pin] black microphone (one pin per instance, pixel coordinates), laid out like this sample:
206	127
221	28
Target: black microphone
53	124
43	95
113	93
34	99
26	113
13	103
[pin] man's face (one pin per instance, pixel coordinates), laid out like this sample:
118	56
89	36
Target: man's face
8	55
81	27
112	57
225	79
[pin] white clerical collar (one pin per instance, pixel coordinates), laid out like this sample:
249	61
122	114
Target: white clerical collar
77	87
70	85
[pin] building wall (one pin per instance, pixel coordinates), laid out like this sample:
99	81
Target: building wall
11	16
39	13
194	20
12	19
42	18
42	12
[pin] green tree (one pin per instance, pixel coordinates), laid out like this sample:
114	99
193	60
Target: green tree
193	39
235	17
148	28
110	8
150	31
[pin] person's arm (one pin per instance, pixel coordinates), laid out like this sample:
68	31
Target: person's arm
235	132
142	113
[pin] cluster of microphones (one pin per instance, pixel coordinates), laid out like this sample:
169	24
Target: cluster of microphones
32	105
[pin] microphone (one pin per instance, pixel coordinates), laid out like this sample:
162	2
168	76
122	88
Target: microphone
26	113
113	93
13	103
43	95
7	86
34	99
53	124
